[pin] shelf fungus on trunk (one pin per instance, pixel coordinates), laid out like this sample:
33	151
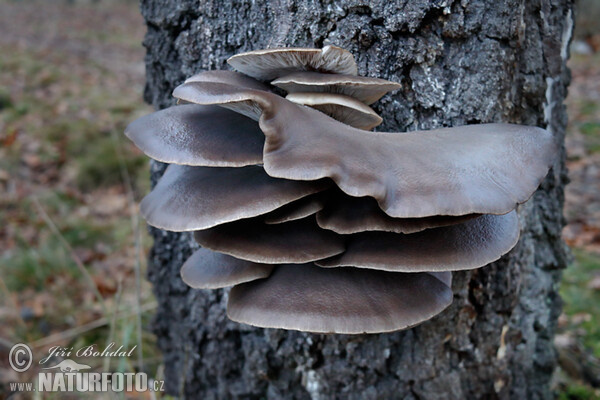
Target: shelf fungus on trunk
317	224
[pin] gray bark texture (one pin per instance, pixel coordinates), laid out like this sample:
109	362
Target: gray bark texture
460	61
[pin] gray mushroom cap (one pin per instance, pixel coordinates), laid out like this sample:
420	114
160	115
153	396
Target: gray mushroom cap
207	269
192	198
339	300
365	89
269	64
198	135
485	169
295	242
339	107
344	214
469	245
229	78
298	209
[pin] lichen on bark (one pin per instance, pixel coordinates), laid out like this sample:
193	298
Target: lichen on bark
459	62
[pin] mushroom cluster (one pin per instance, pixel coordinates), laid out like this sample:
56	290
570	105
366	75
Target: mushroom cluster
319	224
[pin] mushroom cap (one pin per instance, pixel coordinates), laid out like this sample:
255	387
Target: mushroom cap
347	215
481	169
207	269
342	108
298	209
363	88
192	134
339	300
229	78
192	198
295	242
469	245
269	64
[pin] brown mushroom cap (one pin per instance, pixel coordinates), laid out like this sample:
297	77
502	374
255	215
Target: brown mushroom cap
192	198
485	169
198	135
342	108
363	88
469	245
338	300
298	209
345	215
269	64
291	242
207	269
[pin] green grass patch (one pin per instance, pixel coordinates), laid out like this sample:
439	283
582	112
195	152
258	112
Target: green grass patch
580	299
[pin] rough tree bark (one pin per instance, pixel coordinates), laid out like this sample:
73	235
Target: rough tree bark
460	61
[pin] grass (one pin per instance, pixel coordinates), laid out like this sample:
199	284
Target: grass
582	303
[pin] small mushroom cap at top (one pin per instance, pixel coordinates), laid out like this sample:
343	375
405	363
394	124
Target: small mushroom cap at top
346	215
192	134
340	300
192	198
269	64
295	242
207	269
473	169
298	209
469	245
363	88
342	108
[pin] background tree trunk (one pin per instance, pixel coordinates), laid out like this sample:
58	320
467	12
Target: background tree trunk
460	61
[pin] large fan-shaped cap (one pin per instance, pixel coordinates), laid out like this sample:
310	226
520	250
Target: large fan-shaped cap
192	134
192	198
346	215
472	244
339	300
298	209
291	242
363	88
486	169
269	64
342	108
207	269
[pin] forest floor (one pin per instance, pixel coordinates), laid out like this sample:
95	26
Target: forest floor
72	246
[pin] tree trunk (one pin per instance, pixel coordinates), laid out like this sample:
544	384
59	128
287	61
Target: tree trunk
460	61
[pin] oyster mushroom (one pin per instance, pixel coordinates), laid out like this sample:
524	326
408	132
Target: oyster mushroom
191	134
269	64
362	88
342	108
469	245
338	300
207	269
192	198
294	242
473	169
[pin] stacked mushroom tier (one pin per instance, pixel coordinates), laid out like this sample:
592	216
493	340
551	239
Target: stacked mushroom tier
318	224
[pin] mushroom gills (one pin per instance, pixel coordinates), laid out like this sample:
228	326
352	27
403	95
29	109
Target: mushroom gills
365	89
339	107
269	64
